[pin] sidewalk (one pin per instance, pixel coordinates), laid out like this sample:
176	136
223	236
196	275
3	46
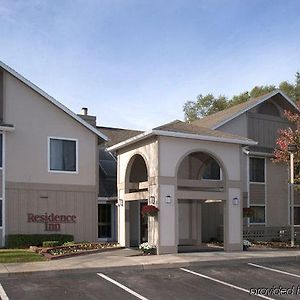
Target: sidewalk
129	259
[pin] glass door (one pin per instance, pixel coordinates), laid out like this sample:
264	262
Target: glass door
105	221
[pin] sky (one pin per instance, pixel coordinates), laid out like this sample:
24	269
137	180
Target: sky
134	63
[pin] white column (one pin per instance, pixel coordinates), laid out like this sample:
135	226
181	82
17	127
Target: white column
168	220
233	239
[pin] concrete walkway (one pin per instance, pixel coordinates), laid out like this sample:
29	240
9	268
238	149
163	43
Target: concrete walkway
119	259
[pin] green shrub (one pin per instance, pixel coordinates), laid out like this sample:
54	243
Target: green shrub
26	240
48	244
68	244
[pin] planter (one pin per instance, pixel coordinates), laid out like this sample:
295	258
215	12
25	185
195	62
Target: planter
149	211
150	251
77	249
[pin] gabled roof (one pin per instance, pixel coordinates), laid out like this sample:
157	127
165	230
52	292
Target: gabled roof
220	118
181	129
117	135
52	100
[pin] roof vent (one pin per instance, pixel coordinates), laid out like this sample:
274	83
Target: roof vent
84	111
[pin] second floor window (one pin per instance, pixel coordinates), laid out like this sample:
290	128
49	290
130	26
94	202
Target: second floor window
63	155
257	169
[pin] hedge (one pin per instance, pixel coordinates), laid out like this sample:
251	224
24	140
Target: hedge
26	240
48	244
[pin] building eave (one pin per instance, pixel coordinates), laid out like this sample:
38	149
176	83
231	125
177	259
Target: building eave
181	135
52	100
270	95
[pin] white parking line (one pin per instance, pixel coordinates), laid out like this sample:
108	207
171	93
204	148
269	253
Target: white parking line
3	295
122	286
274	270
224	283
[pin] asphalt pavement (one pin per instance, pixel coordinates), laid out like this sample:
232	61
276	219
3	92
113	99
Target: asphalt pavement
241	280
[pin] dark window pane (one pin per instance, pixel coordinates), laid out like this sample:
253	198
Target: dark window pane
104	231
104	220
211	171
259	214
296	215
62	155
1	150
257	169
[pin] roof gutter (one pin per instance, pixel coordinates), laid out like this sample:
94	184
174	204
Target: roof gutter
180	135
255	153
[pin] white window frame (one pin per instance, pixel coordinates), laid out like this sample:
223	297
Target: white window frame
249	204
298	206
256	223
258	182
77	155
104	200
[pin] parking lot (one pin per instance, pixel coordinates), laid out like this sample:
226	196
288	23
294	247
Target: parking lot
266	280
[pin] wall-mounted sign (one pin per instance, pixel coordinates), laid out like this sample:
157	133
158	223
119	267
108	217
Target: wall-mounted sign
52	221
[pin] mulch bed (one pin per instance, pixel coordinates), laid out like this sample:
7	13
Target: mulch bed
277	245
75	250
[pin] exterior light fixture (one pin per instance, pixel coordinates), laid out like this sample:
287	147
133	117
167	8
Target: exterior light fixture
168	199
151	200
235	201
292	148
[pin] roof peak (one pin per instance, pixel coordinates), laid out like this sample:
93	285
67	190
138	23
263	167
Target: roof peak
220	118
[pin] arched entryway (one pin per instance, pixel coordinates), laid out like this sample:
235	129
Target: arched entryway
201	195
137	194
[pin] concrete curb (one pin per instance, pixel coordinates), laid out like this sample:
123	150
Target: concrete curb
145	267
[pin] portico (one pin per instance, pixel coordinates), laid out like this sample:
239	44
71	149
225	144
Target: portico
193	175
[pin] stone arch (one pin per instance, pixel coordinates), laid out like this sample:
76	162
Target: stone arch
210	155
201	197
137	172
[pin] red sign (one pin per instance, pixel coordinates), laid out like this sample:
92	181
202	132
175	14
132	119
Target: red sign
52	221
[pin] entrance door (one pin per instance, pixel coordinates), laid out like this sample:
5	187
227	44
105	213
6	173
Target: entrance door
143	225
105	216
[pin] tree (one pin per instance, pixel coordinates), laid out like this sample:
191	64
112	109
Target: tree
208	104
290	135
203	106
288	89
297	87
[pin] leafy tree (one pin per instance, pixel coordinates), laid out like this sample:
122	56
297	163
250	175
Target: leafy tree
208	104
297	87
258	91
290	135
288	89
203	106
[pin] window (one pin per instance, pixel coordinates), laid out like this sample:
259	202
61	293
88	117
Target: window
296	215
1	150
258	214
104	221
212	171
257	169
63	155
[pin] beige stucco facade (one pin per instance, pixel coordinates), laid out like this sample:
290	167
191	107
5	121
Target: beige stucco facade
180	219
30	186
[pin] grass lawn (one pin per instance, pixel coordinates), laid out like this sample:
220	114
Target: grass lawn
18	255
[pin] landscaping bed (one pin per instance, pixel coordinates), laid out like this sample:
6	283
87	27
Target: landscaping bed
73	249
276	245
